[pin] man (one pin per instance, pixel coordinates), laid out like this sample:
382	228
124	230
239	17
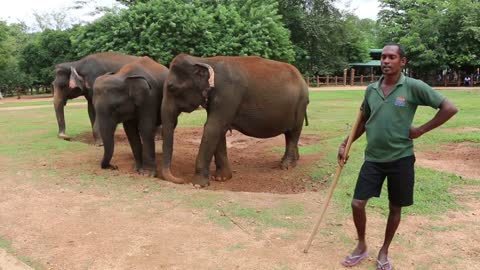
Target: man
388	110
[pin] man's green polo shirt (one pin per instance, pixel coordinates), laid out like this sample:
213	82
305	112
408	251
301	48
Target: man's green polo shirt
389	118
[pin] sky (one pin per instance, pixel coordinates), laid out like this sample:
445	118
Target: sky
361	8
14	10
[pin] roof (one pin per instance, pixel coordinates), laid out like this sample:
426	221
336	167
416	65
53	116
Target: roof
371	63
375	50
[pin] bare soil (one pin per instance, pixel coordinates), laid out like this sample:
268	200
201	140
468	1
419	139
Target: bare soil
256	167
59	219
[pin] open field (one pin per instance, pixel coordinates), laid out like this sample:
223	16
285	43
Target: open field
59	210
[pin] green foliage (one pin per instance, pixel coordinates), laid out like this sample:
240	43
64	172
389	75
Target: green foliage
12	38
435	34
162	29
325	39
460	29
39	56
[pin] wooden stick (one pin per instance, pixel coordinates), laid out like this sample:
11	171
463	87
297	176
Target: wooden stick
334	183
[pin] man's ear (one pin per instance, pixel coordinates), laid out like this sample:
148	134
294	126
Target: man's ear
138	88
76	80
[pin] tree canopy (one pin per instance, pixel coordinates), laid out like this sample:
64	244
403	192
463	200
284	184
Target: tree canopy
314	35
435	34
162	29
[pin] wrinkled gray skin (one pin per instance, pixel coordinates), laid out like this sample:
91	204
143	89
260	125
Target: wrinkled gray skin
258	97
74	79
131	96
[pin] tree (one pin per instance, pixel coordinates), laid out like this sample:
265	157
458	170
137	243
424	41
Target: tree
12	38
325	39
435	34
39	56
460	31
415	25
162	29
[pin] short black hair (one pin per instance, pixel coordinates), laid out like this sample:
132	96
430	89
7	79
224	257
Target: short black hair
401	51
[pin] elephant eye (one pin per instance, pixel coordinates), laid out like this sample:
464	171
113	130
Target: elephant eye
173	87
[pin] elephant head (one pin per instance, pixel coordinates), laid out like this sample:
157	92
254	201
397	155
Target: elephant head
74	79
116	99
188	86
68	84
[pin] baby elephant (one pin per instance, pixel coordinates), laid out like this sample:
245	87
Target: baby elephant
131	96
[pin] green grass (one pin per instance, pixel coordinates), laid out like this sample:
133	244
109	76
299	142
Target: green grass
283	215
7	246
40	102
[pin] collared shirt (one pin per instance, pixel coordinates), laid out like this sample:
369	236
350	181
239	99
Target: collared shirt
389	118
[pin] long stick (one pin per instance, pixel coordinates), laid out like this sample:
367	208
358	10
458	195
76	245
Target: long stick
334	183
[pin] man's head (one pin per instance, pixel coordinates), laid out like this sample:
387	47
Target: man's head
393	59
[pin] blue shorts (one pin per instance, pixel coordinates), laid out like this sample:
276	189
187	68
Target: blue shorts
400	176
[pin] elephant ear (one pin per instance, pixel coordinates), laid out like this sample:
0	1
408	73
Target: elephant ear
76	80
205	71
138	88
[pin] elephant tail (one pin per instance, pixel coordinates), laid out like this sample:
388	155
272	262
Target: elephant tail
306	118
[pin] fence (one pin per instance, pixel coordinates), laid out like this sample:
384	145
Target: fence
347	79
350	79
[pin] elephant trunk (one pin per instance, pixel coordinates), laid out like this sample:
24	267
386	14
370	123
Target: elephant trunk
59	101
168	128
107	131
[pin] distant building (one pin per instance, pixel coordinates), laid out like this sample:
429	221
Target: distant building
370	67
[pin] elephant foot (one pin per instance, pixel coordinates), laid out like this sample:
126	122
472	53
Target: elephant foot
146	172
287	164
221	175
64	136
200	181
110	167
167	175
98	143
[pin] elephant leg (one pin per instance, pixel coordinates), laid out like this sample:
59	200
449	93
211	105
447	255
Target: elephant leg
223	171
147	132
212	134
158	133
289	159
131	129
91	115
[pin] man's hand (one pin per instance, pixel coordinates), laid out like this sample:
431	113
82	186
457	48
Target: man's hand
415	132
341	154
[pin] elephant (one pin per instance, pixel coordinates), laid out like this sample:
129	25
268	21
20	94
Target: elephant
259	97
74	79
131	96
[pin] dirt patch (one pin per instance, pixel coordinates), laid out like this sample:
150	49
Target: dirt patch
462	159
255	162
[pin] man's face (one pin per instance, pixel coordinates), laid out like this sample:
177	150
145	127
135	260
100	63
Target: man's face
391	62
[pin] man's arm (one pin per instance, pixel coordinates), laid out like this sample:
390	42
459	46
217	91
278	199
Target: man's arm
358	133
447	110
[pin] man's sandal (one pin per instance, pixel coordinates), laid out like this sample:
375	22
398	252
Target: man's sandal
384	266
352	260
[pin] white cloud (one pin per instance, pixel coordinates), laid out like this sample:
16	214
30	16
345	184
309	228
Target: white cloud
361	8
14	11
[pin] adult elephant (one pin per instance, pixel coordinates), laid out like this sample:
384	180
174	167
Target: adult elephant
131	96
74	79
258	97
